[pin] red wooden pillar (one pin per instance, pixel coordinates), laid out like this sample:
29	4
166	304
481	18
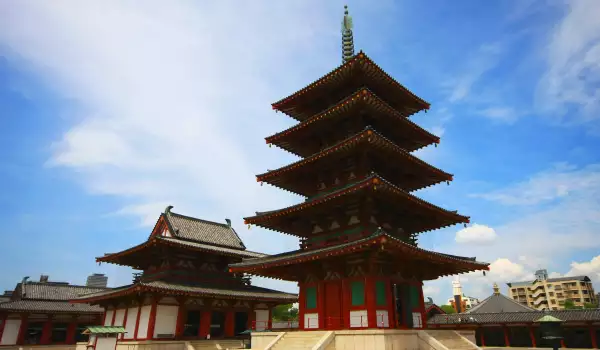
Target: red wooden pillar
422	306
46	332
181	315
22	329
229	324
251	318
506	337
389	297
482	336
152	318
71	329
562	343
301	306
345	324
592	335
320	304
121	336
270	320
137	319
532	336
205	318
114	315
370	302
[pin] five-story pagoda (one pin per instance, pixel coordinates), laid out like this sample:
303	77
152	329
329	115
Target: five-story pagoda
358	265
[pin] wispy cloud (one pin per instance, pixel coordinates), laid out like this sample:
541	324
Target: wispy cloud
572	78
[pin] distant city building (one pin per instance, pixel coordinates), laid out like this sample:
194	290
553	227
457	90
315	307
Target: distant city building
459	299
6	296
97	280
552	293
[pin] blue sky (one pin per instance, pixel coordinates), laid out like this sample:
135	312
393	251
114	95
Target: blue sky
110	112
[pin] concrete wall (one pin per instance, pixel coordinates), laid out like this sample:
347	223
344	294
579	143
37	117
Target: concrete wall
261	340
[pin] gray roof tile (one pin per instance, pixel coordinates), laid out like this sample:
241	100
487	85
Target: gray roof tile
584	315
498	303
202	231
52	291
48	306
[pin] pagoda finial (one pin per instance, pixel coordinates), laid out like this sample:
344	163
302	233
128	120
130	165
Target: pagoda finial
168	209
347	37
496	289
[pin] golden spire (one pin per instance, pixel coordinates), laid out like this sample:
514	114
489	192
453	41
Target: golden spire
347	37
496	289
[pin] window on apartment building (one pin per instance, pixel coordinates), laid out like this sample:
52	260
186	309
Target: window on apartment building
552	301
575	292
551	294
583	283
549	285
587	300
584	291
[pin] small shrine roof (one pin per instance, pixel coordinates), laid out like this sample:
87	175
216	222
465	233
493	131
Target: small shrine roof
202	231
498	303
241	292
377	238
573	315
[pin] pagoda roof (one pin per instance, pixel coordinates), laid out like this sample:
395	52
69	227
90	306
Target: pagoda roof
44	306
449	264
162	287
415	137
432	175
201	231
397	95
122	257
373	183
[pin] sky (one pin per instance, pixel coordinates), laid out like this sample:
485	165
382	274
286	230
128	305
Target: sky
111	111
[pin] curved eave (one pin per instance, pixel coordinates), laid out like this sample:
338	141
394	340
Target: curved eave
363	95
141	287
280	105
380	239
156	240
368	135
374	182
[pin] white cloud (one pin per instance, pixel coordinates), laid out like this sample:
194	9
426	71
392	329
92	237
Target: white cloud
174	98
589	268
573	58
560	182
500	114
476	234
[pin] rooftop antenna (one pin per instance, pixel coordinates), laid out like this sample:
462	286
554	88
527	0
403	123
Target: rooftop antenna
347	37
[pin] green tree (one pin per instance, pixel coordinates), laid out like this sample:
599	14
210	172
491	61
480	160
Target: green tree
570	305
590	306
448	309
285	312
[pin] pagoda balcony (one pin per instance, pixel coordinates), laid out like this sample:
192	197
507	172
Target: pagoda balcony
358	72
372	199
346	160
351	115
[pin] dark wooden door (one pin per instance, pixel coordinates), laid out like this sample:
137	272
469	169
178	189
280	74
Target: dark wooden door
333	305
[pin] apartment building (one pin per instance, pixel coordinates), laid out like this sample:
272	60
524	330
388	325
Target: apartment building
552	293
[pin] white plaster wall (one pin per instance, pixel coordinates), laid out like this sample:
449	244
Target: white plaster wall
108	318
144	318
311	321
262	319
91	339
106	343
383	319
417	321
166	319
119	317
11	332
130	326
358	319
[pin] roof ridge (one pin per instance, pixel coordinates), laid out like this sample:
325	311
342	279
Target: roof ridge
198	219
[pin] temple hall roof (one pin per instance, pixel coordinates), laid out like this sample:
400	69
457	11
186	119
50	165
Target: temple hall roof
202	231
573	315
241	292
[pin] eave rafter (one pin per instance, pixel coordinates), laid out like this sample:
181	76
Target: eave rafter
367	136
372	183
362	96
276	266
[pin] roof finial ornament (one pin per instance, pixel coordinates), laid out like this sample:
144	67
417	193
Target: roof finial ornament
347	37
496	289
168	209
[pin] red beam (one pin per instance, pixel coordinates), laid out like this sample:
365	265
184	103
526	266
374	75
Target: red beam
22	329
